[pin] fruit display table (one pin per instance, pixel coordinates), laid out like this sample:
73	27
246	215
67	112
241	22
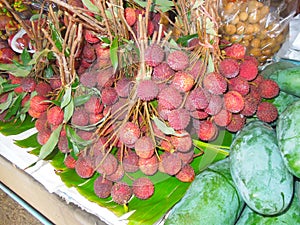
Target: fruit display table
40	187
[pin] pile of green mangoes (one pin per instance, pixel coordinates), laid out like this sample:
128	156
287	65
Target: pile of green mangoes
259	183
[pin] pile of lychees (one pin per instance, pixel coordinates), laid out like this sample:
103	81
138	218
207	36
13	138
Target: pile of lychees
145	123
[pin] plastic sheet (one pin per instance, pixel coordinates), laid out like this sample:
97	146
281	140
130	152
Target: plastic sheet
262	26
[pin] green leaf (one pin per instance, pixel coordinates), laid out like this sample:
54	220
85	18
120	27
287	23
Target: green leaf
90	6
210	66
183	40
49	72
57	38
114	53
164	128
80	100
15	127
37	56
29	142
5	105
6	87
15	70
51	143
67	97
163	5
76	139
15	106
25	57
68	111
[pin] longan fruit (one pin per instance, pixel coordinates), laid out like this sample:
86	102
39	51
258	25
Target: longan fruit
264	11
252	6
230	29
240	28
230	8
246	43
249	29
243	16
254	17
255	43
256	52
235	20
235	38
267	51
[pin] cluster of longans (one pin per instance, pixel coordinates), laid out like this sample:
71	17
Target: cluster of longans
189	100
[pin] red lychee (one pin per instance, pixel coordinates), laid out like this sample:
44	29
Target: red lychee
109	96
208	131
223	118
121	193
237	123
83	167
169	98
147	90
70	162
144	147
229	68
102	187
182	143
234	101
80	117
179	119
266	112
235	51
268	88
130	16
143	188
186	174
183	81
178	60
55	115
162	72
148	166
39	103
239	84
171	163
248	70
215	105
215	83
154	55
129	133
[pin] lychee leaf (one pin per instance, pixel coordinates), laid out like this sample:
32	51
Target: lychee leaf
80	100
164	128
210	66
90	6
37	56
67	97
114	53
15	70
15	106
5	105
25	57
51	143
68	111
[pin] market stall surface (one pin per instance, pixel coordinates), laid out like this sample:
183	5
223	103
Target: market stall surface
11	213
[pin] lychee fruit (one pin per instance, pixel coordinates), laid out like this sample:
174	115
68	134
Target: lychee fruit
235	51
144	147
197	99
106	164
148	166
83	167
266	112
130	16
186	174
102	187
215	105
130	161
117	175
208	131
183	81
93	105
88	79
268	89
237	123
109	96
196	69
39	103
129	133
234	101
239	84
215	83
171	163
63	144
121	193
229	68
162	72
43	88
123	87
223	118
179	119
248	70
70	162
251	104
178	60
80	117
154	55
143	188
169	98
147	90
182	143
55	115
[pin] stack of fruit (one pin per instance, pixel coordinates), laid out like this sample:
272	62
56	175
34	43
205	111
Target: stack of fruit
115	90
